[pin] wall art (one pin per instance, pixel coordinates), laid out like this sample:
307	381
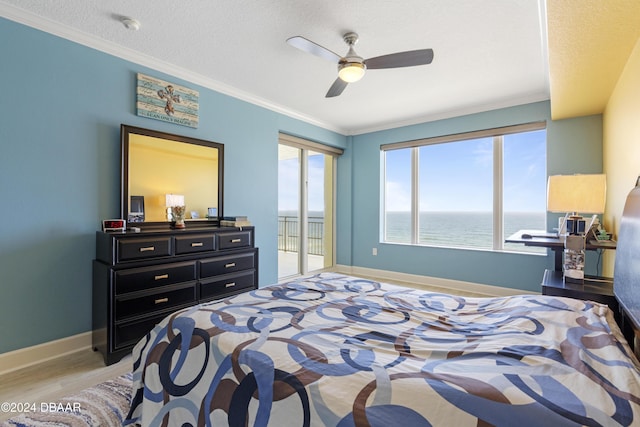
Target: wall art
161	100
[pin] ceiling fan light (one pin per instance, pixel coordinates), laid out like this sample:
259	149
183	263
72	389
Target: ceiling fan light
351	71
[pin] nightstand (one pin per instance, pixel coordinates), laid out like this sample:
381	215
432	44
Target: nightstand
593	288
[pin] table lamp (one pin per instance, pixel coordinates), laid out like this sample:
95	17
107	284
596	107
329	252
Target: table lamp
572	195
176	209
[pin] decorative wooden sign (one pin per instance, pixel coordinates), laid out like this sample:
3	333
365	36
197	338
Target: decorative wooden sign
161	100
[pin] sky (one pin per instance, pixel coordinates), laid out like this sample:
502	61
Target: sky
454	176
458	176
288	184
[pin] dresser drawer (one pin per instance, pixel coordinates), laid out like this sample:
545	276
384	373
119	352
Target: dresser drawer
195	243
167	297
134	249
136	279
226	285
234	239
227	264
127	334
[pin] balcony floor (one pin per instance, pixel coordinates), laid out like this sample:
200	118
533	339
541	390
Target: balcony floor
288	263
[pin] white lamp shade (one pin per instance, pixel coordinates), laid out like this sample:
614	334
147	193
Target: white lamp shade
577	193
174	200
351	72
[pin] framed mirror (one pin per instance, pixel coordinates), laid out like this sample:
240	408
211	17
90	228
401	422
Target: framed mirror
159	168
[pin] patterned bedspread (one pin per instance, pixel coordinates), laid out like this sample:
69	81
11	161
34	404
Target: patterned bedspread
334	350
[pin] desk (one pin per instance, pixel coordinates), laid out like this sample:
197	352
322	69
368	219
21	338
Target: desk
545	239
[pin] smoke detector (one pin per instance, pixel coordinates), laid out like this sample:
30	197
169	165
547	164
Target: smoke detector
130	23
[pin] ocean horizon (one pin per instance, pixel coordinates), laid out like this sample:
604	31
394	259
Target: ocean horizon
461	229
454	229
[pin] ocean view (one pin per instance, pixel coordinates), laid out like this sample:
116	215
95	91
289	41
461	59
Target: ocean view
455	229
468	229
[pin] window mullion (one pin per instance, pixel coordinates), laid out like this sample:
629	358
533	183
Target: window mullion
304	213
415	196
498	174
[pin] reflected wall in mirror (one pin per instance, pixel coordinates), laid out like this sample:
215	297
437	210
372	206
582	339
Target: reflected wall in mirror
158	164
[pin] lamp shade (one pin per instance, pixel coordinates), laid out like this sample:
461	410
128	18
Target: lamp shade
577	193
174	200
351	71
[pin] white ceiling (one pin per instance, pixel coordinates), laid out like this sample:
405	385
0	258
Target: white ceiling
488	54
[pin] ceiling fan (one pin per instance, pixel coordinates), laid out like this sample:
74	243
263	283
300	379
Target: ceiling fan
351	67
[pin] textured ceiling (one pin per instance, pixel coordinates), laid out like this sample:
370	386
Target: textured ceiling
589	44
488	54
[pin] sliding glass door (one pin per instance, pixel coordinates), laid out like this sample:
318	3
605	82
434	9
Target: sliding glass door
305	209
289	160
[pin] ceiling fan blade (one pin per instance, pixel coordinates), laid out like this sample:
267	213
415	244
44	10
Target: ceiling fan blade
336	88
313	48
401	59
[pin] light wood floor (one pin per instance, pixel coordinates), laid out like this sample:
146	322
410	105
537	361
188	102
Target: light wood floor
58	378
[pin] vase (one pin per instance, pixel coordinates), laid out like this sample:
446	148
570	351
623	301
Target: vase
178	216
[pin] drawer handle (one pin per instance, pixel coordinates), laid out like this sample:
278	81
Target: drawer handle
161	300
197	244
230	285
161	276
231	264
236	240
148	249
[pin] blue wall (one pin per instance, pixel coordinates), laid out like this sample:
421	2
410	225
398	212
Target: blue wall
60	111
573	146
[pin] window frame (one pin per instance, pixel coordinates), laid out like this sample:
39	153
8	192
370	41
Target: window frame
497	135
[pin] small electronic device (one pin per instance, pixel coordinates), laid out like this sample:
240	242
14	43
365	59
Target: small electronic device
114	225
137	209
576	225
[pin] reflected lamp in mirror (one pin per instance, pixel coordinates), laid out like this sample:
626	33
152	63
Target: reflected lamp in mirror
572	195
175	209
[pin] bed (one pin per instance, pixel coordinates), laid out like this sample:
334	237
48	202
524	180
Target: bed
336	350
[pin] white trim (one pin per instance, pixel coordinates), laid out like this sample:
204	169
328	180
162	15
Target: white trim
303	224
32	20
29	19
415	197
305	144
29	356
458	112
498	191
475	134
544	42
447	285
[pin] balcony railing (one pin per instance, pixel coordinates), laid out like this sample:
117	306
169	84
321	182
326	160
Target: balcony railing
288	234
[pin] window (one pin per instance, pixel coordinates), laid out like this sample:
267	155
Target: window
467	190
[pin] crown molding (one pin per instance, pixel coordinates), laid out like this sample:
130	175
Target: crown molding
29	19
55	28
481	108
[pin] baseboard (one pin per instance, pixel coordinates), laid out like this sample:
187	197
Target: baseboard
24	357
29	356
447	285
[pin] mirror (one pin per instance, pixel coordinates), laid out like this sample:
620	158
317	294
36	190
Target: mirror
158	167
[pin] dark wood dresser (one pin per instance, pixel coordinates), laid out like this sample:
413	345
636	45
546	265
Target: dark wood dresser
140	278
